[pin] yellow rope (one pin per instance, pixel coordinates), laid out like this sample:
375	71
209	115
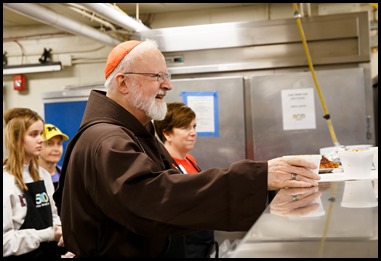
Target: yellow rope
326	114
328	219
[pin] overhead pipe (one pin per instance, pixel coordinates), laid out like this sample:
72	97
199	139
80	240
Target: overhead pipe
305	9
91	16
49	17
116	16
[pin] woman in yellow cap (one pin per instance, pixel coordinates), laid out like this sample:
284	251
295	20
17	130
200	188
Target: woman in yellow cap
50	155
52	151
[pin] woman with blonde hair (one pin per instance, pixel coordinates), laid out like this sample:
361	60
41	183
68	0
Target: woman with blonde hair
31	226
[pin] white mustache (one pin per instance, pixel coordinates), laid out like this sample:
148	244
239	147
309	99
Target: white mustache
161	93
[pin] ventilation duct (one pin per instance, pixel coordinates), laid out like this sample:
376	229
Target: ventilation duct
49	17
115	16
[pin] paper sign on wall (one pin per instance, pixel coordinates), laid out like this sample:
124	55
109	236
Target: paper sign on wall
205	105
298	109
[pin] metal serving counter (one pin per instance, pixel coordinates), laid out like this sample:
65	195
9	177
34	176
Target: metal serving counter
336	219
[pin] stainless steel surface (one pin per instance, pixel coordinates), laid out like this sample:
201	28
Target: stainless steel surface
340	232
333	39
229	145
344	95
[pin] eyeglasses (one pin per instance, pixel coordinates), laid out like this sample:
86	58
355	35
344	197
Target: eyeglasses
160	76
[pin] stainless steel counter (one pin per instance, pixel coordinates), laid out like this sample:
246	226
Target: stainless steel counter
337	219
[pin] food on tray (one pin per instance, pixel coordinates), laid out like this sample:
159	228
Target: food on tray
328	164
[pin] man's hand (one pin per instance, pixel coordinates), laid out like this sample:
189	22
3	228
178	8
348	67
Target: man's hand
291	172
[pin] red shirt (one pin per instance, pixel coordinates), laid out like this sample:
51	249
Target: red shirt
188	165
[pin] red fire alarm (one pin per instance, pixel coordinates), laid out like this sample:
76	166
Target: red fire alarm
19	82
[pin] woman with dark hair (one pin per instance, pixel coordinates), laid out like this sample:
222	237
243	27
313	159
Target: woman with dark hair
178	133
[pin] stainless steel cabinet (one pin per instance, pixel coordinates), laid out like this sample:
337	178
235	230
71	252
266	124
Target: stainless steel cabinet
225	143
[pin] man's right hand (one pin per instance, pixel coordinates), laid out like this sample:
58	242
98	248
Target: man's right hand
292	173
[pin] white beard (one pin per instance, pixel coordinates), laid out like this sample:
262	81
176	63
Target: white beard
156	110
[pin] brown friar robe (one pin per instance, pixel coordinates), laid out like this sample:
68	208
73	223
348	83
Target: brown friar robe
119	195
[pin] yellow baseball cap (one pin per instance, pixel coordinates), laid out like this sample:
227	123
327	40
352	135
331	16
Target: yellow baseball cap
51	131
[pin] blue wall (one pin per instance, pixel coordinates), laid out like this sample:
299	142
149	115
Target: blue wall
67	116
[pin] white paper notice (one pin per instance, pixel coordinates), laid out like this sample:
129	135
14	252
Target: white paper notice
203	106
298	109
